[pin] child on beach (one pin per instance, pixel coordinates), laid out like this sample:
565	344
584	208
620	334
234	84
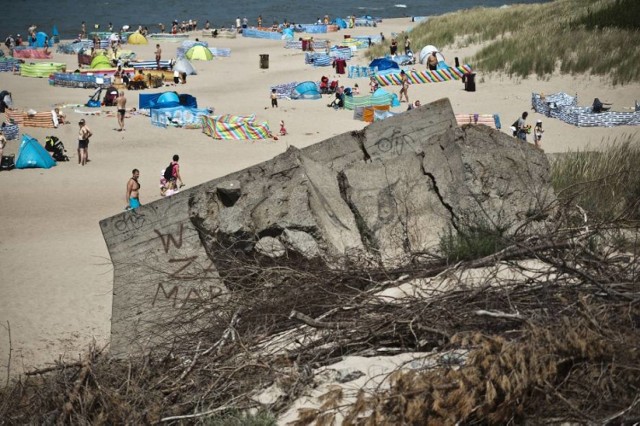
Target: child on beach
274	99
373	84
537	133
283	130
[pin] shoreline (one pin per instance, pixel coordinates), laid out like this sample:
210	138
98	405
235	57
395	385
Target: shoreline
56	291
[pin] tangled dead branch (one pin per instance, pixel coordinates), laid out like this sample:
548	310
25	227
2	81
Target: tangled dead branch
553	340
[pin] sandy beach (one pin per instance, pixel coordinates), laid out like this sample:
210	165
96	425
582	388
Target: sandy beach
56	276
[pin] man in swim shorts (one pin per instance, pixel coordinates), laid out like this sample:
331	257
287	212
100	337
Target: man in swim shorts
83	142
121	103
133	190
158	55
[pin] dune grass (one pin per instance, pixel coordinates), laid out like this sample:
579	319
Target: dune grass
606	184
569	36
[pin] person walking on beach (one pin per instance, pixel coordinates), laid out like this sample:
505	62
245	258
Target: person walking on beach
133	190
83	142
121	103
521	127
537	133
407	45
274	99
432	62
3	143
172	174
404	90
393	48
158	55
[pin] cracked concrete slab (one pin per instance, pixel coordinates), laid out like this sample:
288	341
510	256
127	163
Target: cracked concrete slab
385	192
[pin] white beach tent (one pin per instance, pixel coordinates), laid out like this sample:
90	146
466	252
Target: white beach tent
183	65
426	51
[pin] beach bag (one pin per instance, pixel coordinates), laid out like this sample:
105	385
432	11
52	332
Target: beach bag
514	127
168	172
8	162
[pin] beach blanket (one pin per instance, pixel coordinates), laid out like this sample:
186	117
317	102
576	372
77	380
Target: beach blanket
235	127
317	59
9	64
318	45
41	69
341	52
91	112
251	32
10	131
420	77
31	53
565	107
490	120
75	47
283	91
23	119
351	102
78	80
168	37
355	71
150	65
180	116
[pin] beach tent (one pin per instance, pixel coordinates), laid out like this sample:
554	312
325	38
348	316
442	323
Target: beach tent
306	90
166	100
199	53
42	40
183	65
32	155
137	38
287	34
380	95
384	64
426	51
100	62
341	23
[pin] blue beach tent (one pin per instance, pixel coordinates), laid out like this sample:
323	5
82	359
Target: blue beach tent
32	155
384	64
306	90
341	23
42	40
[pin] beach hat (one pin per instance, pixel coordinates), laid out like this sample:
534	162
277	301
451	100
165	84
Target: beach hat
539	121
81	121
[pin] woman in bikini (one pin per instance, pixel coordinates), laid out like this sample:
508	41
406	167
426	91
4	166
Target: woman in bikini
133	190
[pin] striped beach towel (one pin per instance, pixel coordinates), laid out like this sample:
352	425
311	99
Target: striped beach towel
420	77
235	127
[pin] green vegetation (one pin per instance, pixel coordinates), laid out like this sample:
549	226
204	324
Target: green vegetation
473	241
601	37
605	184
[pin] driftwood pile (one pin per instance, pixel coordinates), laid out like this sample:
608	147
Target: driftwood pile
546	330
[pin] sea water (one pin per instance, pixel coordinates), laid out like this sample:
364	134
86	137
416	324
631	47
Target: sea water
67	15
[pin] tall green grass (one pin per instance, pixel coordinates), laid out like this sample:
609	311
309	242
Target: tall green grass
570	36
606	184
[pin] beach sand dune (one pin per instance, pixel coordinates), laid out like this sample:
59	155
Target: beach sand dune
56	276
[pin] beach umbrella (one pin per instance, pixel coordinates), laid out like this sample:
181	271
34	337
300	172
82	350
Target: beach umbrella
100	62
199	53
137	38
183	65
426	51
